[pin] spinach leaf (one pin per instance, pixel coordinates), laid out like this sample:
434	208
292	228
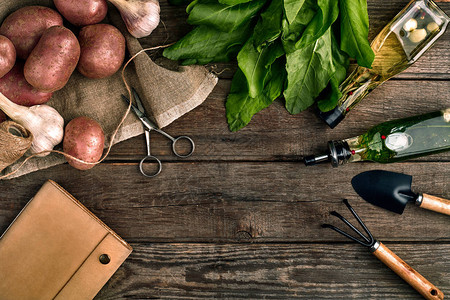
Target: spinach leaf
191	6
329	97
292	47
291	9
268	28
204	45
254	64
354	31
309	70
324	18
223	17
291	32
241	107
233	2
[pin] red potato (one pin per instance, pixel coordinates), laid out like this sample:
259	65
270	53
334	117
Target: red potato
2	116
7	55
102	50
82	12
25	26
14	86
53	60
83	139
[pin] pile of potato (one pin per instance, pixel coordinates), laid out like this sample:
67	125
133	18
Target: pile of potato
48	53
38	54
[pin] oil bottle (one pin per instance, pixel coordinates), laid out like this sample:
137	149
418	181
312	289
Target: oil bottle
413	31
392	141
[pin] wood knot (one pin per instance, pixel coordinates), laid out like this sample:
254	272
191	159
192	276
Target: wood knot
248	228
243	235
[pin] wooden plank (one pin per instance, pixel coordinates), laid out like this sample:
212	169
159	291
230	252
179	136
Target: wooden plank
226	201
433	64
274	134
272	271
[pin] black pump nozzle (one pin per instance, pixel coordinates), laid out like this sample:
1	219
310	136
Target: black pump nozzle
338	154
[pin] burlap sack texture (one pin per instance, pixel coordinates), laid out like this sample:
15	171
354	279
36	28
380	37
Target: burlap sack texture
167	95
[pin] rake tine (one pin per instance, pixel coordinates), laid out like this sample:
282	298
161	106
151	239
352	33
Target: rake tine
343	233
365	241
336	214
359	221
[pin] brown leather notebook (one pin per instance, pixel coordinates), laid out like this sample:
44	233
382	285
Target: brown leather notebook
57	249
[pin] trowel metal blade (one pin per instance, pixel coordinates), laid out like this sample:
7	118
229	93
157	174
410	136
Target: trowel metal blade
385	189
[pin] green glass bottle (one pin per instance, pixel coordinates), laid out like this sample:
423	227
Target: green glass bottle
392	141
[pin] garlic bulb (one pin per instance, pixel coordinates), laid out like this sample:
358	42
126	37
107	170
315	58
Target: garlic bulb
43	121
140	16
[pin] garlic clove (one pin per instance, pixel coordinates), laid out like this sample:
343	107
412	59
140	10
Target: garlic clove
410	25
432	26
140	16
417	35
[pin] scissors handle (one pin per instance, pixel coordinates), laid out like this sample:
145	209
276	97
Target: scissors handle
148	158
183	137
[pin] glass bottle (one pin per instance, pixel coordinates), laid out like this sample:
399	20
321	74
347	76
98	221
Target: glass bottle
401	42
392	141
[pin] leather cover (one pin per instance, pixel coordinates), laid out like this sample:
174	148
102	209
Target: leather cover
52	250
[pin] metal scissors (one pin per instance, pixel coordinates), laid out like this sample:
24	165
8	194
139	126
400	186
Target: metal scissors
149	126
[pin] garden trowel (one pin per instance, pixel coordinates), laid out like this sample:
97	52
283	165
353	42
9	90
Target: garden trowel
392	191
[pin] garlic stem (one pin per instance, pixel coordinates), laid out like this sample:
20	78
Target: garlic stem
140	16
43	121
12	109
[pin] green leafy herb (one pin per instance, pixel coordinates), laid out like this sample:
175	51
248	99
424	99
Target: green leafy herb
291	32
329	97
233	2
268	28
204	45
354	31
221	16
292	7
296	48
241	107
308	71
327	14
255	64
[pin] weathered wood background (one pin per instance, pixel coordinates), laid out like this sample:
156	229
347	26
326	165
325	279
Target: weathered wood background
241	217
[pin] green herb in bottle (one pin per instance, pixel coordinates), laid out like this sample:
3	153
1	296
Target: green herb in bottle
398	45
392	141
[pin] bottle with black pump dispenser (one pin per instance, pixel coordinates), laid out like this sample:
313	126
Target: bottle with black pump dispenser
392	141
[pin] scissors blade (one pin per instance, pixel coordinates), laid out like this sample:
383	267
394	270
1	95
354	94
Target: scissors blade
136	110
138	101
139	110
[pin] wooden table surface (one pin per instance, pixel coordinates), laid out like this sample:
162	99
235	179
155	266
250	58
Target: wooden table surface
241	218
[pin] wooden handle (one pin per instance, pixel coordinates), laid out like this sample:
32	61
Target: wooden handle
411	276
437	204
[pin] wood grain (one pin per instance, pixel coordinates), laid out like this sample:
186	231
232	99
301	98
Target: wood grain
272	271
436	204
241	218
406	272
275	135
226	201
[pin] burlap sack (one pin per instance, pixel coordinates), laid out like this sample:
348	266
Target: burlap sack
167	95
